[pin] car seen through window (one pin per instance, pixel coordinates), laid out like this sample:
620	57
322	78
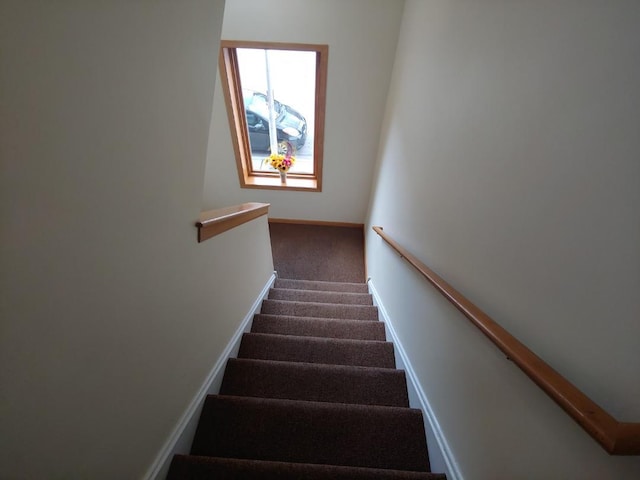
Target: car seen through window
291	126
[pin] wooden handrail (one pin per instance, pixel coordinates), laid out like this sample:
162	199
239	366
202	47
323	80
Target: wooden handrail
214	222
617	438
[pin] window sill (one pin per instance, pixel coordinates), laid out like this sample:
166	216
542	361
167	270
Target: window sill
274	183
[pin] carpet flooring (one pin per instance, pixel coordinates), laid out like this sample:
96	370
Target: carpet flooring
314	392
316	252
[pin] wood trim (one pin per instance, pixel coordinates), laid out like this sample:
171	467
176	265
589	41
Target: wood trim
270	45
322	64
316	222
214	222
232	89
617	438
228	66
273	182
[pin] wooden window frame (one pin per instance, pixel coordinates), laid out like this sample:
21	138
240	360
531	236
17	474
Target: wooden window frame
230	79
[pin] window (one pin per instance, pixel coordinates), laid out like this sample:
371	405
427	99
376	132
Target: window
275	96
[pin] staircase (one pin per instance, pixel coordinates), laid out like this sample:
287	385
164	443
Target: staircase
313	394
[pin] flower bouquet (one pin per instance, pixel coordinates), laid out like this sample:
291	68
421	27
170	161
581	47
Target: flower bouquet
283	160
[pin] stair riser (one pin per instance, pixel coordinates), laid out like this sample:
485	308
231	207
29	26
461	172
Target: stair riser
207	468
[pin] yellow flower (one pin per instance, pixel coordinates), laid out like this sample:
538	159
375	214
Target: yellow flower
280	161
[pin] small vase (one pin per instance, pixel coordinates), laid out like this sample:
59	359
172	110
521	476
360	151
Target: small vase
283	177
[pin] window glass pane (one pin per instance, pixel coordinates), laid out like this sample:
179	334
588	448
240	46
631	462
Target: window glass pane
292	79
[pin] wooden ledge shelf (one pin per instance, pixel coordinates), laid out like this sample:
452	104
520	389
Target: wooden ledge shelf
214	222
301	184
319	223
617	438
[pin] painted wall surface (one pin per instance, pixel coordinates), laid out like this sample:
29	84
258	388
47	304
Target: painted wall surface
362	36
111	314
509	163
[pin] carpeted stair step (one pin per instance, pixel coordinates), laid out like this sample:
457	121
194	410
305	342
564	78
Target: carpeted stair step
317	296
323	310
325	286
314	393
315	382
191	467
312	432
331	351
318	327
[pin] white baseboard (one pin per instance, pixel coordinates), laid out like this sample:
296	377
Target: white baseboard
179	442
441	458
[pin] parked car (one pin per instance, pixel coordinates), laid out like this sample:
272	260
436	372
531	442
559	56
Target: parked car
290	124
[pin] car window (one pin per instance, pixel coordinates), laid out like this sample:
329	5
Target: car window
252	119
259	105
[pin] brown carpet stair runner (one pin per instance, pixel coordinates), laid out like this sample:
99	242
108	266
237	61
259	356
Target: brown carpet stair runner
313	394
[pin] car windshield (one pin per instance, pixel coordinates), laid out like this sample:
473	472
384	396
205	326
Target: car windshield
257	102
289	119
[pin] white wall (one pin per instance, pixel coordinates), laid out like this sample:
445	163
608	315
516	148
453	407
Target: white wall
362	36
509	164
111	314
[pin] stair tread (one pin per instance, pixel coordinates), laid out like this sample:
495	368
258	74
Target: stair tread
318	327
312	432
322	285
318	309
315	382
320	296
191	467
313	394
292	348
